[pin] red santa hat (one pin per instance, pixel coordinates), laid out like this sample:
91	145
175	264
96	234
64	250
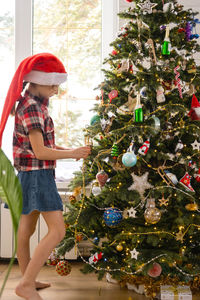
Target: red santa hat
194	112
43	69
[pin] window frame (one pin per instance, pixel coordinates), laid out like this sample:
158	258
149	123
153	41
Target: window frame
24	32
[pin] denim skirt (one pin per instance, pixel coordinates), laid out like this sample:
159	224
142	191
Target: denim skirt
39	191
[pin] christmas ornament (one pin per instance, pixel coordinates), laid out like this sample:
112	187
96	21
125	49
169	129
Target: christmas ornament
134	253
188	31
192	69
63	268
102	177
143	92
114	52
53	258
194	112
79	238
197	176
124	66
96	190
72	199
95	258
140	183
196	145
129	0
112	95
192	207
166	46
179	146
152	214
194	34
155	270
129	159
138	113
147	6
131	102
132	212
152	52
163	201
115	151
96	240
112	216
156	123
167	7
160	96
171	176
119	247
144	148
179	236
94	119
185	181
178	81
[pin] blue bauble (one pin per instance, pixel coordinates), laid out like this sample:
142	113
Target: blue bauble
112	216
129	159
96	240
94	119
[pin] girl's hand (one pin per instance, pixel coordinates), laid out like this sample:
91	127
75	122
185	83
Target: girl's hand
81	152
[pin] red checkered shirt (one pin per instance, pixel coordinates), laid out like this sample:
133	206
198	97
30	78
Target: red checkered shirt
32	113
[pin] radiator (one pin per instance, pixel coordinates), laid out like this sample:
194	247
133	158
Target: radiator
7	235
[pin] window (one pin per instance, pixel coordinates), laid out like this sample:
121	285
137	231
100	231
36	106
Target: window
79	33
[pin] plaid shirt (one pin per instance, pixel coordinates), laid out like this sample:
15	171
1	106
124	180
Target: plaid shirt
32	113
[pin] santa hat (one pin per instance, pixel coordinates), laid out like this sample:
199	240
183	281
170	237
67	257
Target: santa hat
42	68
194	112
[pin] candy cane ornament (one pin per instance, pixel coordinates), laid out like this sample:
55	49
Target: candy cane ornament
178	81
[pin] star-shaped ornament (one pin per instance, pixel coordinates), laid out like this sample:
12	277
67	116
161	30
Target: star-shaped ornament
132	212
134	253
196	145
164	201
140	184
147	6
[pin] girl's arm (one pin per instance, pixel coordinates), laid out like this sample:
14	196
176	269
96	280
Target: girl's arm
62	148
44	153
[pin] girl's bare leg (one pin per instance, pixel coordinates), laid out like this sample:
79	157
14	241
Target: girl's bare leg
56	232
26	229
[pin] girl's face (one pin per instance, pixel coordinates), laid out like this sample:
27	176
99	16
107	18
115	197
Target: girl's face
47	91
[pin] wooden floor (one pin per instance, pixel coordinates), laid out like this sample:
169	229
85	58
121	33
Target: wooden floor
75	286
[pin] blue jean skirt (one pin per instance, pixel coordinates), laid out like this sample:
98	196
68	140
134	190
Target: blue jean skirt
39	191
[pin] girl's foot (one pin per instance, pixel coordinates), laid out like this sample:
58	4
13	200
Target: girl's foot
41	285
27	291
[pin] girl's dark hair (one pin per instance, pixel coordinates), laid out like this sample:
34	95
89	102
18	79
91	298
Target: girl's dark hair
13	108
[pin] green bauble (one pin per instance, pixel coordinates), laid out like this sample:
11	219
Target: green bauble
115	151
94	119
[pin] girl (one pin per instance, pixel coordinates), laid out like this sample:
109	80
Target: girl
35	153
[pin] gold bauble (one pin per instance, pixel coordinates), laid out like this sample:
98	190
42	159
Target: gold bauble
191	206
119	247
152	215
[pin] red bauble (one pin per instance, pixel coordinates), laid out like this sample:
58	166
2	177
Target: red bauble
129	0
155	271
102	177
114	52
63	268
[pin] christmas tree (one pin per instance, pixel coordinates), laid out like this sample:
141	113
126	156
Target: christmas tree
140	188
